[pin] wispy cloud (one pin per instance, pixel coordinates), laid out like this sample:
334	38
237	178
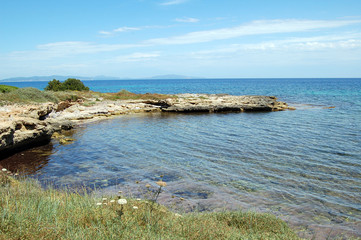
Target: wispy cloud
136	57
187	20
105	33
126	29
121	29
64	49
173	2
253	28
292	45
59	50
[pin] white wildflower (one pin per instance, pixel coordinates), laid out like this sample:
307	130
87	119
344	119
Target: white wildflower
135	207
4	170
122	201
112	201
99	204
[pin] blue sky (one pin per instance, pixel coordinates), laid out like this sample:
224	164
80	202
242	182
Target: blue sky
143	38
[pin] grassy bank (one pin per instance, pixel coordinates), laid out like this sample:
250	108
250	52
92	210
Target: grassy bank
29	212
32	95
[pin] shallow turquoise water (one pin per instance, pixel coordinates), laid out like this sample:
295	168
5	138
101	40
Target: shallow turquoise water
304	165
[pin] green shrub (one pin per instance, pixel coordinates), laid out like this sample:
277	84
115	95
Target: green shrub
54	85
6	88
69	84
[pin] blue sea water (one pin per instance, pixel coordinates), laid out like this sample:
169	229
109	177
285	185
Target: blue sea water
302	165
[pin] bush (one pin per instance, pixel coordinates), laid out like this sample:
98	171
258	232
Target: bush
54	85
69	84
6	88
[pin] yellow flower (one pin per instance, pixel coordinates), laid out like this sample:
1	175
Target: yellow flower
161	183
147	185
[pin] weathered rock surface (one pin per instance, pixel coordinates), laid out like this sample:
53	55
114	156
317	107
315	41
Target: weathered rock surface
221	103
24	126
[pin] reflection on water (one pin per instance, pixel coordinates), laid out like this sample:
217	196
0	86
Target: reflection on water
286	163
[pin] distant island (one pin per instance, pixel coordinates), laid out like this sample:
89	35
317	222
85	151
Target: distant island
100	77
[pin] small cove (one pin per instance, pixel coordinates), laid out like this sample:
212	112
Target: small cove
302	165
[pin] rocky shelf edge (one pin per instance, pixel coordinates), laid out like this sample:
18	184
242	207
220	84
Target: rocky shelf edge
24	126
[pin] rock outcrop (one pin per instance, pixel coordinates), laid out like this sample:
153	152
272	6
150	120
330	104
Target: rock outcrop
24	126
221	103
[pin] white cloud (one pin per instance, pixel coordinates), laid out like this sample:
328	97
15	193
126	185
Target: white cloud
136	57
316	45
105	33
173	2
121	29
187	20
65	49
253	28
126	29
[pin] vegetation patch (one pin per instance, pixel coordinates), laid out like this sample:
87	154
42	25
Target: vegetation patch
126	95
28	211
28	95
72	84
6	88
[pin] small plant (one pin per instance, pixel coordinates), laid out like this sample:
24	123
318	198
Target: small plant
4	178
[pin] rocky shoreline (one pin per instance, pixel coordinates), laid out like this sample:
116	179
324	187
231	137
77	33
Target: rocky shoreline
23	126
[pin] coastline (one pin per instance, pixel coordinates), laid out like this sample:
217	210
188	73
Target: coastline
23	126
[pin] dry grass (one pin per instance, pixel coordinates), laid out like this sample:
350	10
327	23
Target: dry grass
33	95
126	95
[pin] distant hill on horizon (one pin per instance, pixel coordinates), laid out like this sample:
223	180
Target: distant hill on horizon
101	77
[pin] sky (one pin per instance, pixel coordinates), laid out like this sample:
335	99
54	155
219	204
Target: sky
199	38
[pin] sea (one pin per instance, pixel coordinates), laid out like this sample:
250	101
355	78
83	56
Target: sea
304	166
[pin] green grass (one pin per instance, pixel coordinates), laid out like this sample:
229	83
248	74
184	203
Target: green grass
6	88
28	211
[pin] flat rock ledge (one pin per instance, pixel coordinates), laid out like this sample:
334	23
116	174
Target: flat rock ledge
23	126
